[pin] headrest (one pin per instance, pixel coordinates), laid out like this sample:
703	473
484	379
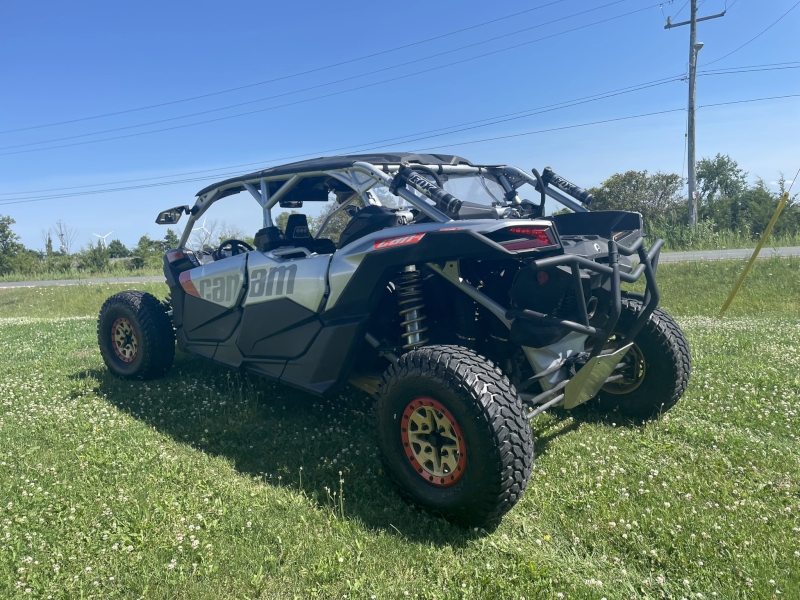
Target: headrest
297	227
268	239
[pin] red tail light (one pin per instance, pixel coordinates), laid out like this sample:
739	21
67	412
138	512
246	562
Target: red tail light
532	237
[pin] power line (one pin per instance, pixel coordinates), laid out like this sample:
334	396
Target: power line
404	138
285	77
650	114
733	72
756	37
373	84
537	112
729	71
752	100
562	128
791	62
316	86
477	141
681	9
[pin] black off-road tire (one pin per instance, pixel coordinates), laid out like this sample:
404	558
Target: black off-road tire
498	444
668	365
151	348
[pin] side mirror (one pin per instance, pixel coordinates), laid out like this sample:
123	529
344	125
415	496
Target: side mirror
171	215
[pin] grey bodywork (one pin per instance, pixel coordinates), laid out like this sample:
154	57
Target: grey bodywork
316	282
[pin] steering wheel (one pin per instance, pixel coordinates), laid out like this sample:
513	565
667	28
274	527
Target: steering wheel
236	247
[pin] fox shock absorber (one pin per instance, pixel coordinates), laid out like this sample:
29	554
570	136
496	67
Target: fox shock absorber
409	291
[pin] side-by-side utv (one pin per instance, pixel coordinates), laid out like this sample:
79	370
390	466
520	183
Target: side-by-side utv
435	284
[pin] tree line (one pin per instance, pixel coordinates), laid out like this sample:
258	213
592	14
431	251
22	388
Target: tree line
732	210
727	202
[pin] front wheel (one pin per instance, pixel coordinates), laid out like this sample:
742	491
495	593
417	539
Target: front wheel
453	436
135	335
658	366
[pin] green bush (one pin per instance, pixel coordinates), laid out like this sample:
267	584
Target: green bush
94	258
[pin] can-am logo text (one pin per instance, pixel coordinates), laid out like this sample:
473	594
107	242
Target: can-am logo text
270	282
398	241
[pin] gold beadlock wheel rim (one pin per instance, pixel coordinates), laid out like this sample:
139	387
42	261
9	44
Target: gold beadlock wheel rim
633	373
433	442
123	340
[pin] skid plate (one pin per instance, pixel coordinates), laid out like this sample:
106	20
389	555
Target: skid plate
588	381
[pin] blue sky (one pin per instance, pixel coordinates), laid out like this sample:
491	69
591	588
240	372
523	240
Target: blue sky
67	61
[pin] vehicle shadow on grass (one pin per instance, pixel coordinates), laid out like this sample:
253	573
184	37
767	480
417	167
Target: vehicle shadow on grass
271	431
290	438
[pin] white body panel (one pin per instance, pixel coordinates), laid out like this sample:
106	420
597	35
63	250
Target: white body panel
303	279
220	282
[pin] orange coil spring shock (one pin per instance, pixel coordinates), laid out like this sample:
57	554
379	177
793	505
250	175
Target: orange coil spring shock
409	291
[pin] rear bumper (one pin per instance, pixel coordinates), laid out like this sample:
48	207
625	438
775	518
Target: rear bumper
585	384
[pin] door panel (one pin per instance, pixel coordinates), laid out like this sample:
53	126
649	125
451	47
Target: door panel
208	322
281	328
212	295
302	280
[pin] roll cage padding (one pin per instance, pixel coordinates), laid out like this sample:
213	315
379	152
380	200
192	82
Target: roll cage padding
444	201
551	178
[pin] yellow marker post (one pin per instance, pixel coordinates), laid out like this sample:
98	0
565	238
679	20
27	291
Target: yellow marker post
750	262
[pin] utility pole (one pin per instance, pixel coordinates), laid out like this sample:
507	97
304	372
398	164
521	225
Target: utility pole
694	48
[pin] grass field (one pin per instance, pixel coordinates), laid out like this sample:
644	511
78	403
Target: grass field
212	484
80	274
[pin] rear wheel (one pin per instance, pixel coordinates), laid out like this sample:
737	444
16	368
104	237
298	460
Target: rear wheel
658	366
452	434
135	335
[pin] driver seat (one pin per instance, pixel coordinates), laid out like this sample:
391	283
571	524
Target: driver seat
298	235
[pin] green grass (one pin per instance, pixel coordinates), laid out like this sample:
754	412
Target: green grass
704	237
80	274
211	484
700	288
67	301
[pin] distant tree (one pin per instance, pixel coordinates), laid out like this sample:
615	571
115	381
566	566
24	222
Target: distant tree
656	196
117	249
9	241
230	232
94	258
760	203
66	236
719	177
730	203
47	241
722	187
337	223
171	240
61	263
26	262
148	253
10	246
